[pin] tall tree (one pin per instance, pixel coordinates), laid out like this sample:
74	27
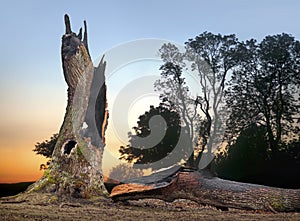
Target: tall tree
214	57
265	89
75	169
76	166
225	55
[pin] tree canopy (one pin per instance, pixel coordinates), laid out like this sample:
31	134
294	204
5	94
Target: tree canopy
248	160
213	56
243	86
265	89
136	152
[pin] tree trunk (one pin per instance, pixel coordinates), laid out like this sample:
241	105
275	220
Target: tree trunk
208	190
75	168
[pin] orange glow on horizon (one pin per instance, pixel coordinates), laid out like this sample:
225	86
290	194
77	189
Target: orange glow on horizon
20	165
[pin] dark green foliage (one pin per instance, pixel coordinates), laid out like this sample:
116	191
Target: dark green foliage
220	52
262	98
46	149
248	160
246	157
265	89
141	155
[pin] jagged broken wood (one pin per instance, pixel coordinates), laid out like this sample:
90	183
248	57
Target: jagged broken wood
75	168
205	189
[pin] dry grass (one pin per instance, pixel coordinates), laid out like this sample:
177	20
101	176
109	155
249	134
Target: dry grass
133	210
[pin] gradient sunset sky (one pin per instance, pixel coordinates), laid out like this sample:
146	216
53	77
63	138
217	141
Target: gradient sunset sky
32	88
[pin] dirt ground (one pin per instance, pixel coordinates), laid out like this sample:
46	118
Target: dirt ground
133	210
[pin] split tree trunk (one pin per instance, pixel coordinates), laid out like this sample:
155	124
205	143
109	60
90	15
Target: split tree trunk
75	168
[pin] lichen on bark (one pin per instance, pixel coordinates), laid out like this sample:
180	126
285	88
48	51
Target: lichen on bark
75	169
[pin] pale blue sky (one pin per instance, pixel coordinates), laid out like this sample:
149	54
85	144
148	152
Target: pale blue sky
32	88
32	29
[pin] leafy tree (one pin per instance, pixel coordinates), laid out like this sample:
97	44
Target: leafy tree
246	157
265	89
124	172
213	56
136	152
46	149
248	160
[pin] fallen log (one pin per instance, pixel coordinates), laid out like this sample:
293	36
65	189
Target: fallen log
75	170
205	189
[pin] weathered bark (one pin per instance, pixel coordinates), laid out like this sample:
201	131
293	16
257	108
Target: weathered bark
207	190
75	168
